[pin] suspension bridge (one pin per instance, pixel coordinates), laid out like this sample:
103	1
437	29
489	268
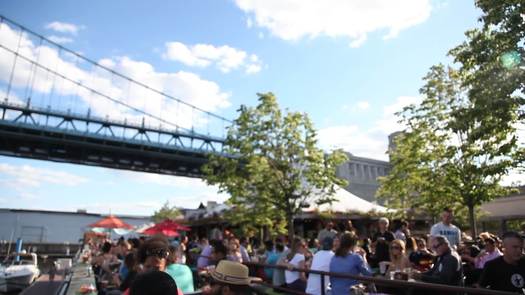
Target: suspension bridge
61	106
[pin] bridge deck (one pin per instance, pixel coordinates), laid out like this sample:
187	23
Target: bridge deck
33	133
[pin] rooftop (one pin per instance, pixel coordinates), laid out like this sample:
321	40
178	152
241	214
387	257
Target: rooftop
78	212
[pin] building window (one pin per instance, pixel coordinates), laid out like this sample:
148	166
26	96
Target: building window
351	168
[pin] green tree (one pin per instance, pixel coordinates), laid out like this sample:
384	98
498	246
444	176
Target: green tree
493	73
414	185
478	106
437	161
492	62
166	212
277	168
417	181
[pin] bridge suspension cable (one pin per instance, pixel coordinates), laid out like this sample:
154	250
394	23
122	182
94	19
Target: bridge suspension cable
93	90
36	65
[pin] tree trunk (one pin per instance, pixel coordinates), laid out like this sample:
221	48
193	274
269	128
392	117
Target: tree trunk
472	220
266	233
291	229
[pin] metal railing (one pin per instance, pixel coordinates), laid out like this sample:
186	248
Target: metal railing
398	284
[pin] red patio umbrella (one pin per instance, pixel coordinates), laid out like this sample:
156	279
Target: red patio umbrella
111	222
164	231
167	227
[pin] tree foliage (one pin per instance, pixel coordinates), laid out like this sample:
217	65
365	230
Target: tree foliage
492	60
276	169
165	212
462	139
437	161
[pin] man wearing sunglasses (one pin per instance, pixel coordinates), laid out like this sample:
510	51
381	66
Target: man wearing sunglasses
153	254
447	268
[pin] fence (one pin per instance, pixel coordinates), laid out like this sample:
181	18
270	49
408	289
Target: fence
405	287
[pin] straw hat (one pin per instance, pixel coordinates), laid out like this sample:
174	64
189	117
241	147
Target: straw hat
231	272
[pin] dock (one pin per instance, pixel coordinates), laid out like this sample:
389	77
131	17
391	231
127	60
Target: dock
43	286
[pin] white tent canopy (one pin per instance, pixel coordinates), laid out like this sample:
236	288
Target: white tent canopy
347	202
140	228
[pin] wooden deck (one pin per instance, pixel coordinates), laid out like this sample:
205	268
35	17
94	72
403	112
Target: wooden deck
43	286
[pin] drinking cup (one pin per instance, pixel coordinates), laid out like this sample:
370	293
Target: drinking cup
382	267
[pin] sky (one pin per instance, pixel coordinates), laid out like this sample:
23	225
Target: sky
350	65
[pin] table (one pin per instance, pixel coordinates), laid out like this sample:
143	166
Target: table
81	274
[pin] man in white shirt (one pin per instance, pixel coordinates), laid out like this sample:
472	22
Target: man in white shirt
328	231
320	261
447	229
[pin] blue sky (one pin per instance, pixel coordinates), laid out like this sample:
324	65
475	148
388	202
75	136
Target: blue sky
348	64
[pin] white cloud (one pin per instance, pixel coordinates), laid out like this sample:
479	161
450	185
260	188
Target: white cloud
252	69
295	19
193	201
389	122
249	23
401	102
351	138
190	191
62	27
363	105
119	207
27	196
60	40
373	142
180	52
130	207
358	41
186	86
359	106
224	57
184	197
164	180
13	98
28	176
370	142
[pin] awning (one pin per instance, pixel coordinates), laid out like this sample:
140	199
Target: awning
347	203
504	208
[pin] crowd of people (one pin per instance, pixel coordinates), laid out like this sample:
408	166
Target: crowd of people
442	256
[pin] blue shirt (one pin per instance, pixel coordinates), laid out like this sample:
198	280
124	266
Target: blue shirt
271	258
203	260
123	271
182	275
352	264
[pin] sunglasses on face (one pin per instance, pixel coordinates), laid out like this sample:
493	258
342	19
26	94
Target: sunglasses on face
159	253
395	248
